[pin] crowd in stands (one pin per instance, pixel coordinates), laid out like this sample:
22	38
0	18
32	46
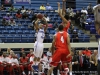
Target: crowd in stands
83	62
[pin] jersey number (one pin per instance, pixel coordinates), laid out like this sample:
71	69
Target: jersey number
62	39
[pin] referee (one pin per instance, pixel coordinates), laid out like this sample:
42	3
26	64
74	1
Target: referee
96	10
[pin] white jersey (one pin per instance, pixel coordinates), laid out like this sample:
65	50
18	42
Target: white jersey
40	35
6	59
96	10
12	61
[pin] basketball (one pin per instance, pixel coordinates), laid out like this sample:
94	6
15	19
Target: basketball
40	16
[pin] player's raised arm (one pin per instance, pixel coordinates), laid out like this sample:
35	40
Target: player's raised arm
60	14
36	25
64	7
53	44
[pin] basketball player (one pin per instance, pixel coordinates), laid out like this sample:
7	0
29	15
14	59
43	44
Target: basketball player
4	60
38	46
96	10
14	64
65	23
64	16
61	41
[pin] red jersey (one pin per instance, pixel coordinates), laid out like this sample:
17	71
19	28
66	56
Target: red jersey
61	40
24	60
67	27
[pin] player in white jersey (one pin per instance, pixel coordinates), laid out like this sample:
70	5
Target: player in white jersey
38	46
96	10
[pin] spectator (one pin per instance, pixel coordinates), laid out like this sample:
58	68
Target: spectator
83	64
69	10
25	15
12	9
12	22
47	18
48	7
8	51
89	9
18	15
4	22
22	51
93	60
42	7
29	11
72	30
7	17
74	61
2	7
75	36
83	20
31	53
49	53
84	11
23	9
87	52
77	18
55	25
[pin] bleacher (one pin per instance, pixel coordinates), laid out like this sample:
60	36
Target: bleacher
21	33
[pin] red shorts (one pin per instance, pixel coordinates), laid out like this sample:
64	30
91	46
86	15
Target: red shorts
60	55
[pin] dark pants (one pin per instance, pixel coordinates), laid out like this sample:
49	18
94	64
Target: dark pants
98	67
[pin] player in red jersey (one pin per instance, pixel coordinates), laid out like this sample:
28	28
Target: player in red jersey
61	42
64	17
24	64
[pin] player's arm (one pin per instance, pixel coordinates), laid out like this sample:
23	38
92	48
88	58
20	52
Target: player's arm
53	44
64	7
60	14
45	24
68	42
36	25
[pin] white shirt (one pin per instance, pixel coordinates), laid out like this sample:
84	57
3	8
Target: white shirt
31	58
13	60
40	36
49	53
6	59
96	10
84	11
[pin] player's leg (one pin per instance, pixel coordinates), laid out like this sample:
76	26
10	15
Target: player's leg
36	52
1	69
22	69
11	69
29	69
55	59
67	61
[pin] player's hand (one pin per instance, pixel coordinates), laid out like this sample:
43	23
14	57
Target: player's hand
58	4
98	31
76	62
92	62
68	55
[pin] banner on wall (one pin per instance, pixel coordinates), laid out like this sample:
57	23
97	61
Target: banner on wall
22	1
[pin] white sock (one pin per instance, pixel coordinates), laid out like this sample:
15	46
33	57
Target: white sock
29	72
23	72
70	73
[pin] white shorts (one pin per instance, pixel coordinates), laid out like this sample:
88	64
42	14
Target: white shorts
38	49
